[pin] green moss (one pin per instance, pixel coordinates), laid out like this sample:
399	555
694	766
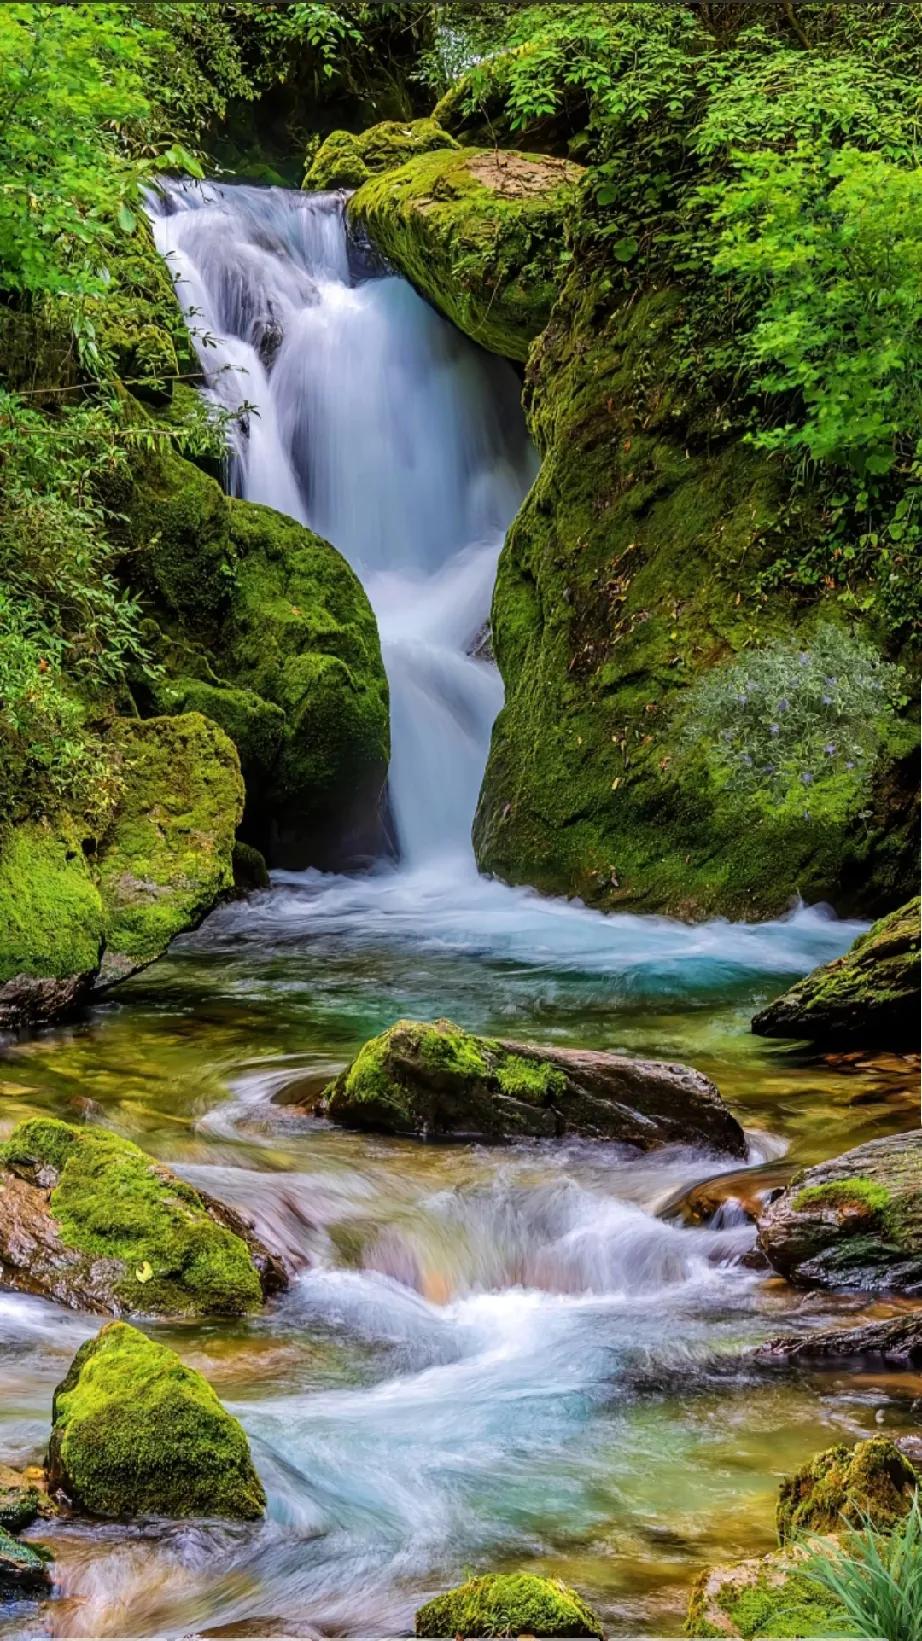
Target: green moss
445	1048
136	1432
22	1566
534	1080
770	1597
51	915
631	570
19	1507
345	160
508	1604
111	1201
250	870
166	857
842	1486
870	995
479	233
256	726
862	1194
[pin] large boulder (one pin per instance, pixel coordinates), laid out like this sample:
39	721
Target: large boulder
854	1222
632	631
78	910
479	232
136	1432
264	628
846	1486
346	160
869	996
89	1220
508	1604
437	1080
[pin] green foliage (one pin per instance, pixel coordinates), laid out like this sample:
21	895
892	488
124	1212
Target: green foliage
876	1578
784	723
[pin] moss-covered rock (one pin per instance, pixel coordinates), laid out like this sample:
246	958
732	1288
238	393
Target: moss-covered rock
24	1568
768	1596
136	1432
90	1220
869	996
346	160
480	233
847	1486
166	857
51	923
263	626
22	1498
631	572
250	869
437	1080
508	1604
854	1222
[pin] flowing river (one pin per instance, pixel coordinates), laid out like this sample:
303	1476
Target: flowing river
488	1358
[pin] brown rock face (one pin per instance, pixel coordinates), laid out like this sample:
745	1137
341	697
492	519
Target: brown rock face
854	1222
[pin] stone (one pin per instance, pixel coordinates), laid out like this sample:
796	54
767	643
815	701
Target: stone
508	1604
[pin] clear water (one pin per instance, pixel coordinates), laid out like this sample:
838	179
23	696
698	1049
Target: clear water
488	1358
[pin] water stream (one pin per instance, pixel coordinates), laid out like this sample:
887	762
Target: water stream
488	1358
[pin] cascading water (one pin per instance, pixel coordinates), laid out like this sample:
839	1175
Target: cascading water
386	432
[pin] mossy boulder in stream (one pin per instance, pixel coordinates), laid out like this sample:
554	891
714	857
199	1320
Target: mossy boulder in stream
435	1080
346	159
633	626
89	1220
869	996
770	1596
52	922
479	232
846	1486
136	1432
508	1604
24	1568
263	627
854	1222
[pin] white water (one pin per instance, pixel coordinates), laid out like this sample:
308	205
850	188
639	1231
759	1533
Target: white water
395	438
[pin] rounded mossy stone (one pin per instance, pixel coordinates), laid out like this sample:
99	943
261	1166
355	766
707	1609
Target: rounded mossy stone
250	869
630	572
508	1604
770	1596
853	1222
23	1567
135	1432
256	726
871	995
480	233
51	914
165	859
110	1201
346	159
848	1486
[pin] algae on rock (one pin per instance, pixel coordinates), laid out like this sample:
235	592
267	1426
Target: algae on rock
869	996
480	233
136	1432
500	1604
90	1220
847	1486
346	159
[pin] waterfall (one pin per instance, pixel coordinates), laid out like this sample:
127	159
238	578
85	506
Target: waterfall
388	433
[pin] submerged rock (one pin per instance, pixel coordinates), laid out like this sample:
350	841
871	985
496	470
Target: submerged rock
508	1604
869	996
854	1222
136	1432
346	159
479	232
88	1219
24	1568
436	1081
896	1342
77	911
846	1486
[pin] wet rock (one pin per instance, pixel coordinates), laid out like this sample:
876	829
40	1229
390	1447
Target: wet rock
854	1222
136	1432
869	996
727	1199
346	159
479	232
22	1498
24	1568
896	1342
508	1604
436	1081
89	1220
845	1486
764	1596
